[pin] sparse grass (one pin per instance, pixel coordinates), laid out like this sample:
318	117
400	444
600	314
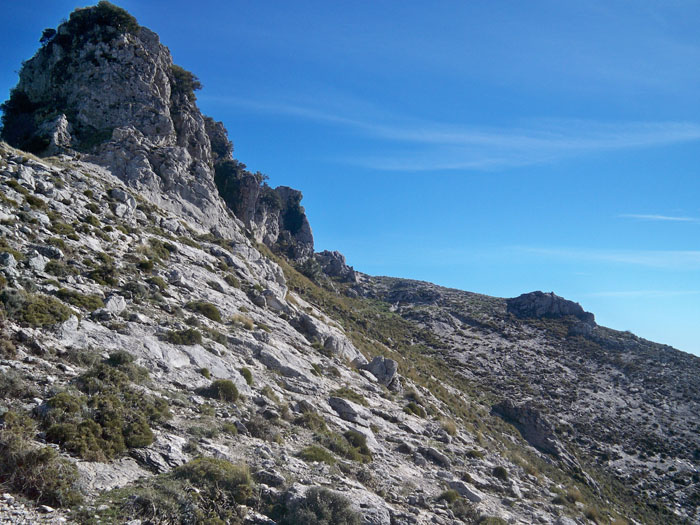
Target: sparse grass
414	408
242	320
348	393
39	473
317	453
222	487
450	496
106	415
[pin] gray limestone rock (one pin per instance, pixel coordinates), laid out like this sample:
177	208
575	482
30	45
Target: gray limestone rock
350	411
540	304
466	491
386	372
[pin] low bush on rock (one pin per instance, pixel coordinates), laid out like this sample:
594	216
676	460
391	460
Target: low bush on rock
321	506
222	389
189	336
33	309
86	302
221	490
317	453
206	309
247	375
351	395
39	473
106	415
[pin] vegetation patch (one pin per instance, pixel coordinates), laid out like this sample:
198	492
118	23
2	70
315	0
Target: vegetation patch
33	309
38	473
106	415
86	302
316	453
189	336
247	375
348	393
321	506
222	389
206	309
222	489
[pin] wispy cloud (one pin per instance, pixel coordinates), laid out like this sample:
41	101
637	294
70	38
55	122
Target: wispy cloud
662	218
667	259
650	294
418	145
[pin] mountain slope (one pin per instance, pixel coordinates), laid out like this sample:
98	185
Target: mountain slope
173	351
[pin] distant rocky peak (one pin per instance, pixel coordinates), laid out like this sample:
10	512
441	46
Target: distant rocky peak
539	304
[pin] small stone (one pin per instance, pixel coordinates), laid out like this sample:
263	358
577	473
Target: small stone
45	509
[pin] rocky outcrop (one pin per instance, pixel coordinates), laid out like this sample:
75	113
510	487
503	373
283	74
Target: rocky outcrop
540	304
274	217
386	372
333	264
104	86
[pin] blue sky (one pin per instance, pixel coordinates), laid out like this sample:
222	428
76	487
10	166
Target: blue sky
497	147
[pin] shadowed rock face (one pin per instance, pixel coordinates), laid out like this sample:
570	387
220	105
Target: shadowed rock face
540	304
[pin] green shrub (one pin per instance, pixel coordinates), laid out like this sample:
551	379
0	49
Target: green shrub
108	415
205	372
189	336
105	274
33	309
321	506
158	282
82	21
415	409
312	421
450	496
168	498
349	446
223	389
184	82
86	302
248	375
206	309
146	265
232	280
225	476
500	473
492	520
36	202
38	473
61	228
358	441
261	428
316	453
59	268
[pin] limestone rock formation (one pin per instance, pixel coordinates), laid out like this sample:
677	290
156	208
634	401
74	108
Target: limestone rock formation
540	304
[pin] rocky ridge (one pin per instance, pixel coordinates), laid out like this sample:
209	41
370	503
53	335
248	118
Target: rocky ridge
139	253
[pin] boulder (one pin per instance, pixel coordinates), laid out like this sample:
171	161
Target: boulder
386	372
350	411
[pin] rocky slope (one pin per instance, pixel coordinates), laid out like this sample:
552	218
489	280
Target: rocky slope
166	359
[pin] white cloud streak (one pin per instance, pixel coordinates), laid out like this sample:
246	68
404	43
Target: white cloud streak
420	145
643	294
666	259
661	218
